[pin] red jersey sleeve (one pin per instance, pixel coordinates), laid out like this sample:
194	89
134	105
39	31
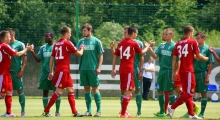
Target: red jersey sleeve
137	48
9	50
53	51
175	51
117	52
70	47
195	47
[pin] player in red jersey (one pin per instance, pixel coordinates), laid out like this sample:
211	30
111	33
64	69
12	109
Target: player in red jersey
185	50
126	49
5	62
62	79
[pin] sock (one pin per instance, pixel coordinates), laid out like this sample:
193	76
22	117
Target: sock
72	102
58	105
51	102
183	98
172	99
138	102
8	103
45	101
97	97
125	101
88	99
203	105
121	98
166	102
161	103
189	105
22	101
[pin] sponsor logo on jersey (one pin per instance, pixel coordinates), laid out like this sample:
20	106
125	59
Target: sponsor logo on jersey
89	47
46	54
166	52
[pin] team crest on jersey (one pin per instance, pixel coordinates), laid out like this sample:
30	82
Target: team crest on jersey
60	85
169	47
162	46
44	49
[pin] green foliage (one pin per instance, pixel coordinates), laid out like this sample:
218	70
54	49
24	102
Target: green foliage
109	31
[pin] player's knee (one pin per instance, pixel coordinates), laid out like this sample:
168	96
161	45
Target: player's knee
87	88
19	91
70	89
95	89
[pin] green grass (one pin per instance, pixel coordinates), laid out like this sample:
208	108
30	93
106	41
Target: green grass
110	109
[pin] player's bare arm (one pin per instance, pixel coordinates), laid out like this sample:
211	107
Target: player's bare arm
28	48
112	45
140	74
35	56
201	57
208	74
24	61
80	51
113	73
152	54
214	53
98	69
50	76
174	70
146	48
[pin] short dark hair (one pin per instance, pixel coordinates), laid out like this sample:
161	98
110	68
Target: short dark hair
132	29
10	30
3	34
64	30
187	29
87	26
202	34
51	34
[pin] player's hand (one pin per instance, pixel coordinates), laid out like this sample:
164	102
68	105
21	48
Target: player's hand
112	44
113	73
211	48
140	75
98	71
152	43
174	76
50	76
146	44
206	58
206	80
82	46
20	74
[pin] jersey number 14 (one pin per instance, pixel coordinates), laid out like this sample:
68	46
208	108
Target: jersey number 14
126	52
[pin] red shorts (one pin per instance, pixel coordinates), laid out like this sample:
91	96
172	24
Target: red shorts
62	80
177	82
5	83
127	81
188	82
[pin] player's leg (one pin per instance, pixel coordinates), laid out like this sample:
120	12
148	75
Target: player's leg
94	82
58	101
45	98
87	89
137	91
144	86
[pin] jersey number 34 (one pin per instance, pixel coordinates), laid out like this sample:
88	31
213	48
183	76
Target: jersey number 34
182	50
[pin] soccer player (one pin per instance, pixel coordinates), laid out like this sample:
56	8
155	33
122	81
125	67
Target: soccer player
164	80
90	68
5	62
138	69
62	79
126	49
185	50
43	56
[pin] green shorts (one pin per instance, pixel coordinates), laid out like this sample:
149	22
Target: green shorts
136	81
17	82
164	81
44	83
88	78
201	87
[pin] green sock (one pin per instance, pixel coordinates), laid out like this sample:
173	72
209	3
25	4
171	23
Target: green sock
161	103
88	99
138	103
121	98
172	99
45	101
97	97
22	101
203	105
58	105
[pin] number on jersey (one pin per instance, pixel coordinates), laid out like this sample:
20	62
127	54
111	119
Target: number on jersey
59	49
182	51
0	56
126	53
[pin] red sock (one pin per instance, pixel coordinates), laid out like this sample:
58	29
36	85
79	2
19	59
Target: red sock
125	101
72	103
183	98
166	102
189	105
8	103
51	102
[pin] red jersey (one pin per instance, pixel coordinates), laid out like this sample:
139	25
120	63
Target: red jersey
126	49
5	58
186	49
61	53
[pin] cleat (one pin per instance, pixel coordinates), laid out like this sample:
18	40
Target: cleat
88	114
202	116
9	115
98	114
185	116
161	116
156	113
126	116
138	115
125	113
46	114
170	112
77	115
195	117
57	114
196	109
22	114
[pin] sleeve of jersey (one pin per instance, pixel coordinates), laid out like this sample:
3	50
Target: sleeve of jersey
157	52
78	44
40	53
137	48
117	52
53	52
23	47
100	48
10	51
211	57
195	47
70	47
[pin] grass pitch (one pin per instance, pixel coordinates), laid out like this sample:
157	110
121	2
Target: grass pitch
110	109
